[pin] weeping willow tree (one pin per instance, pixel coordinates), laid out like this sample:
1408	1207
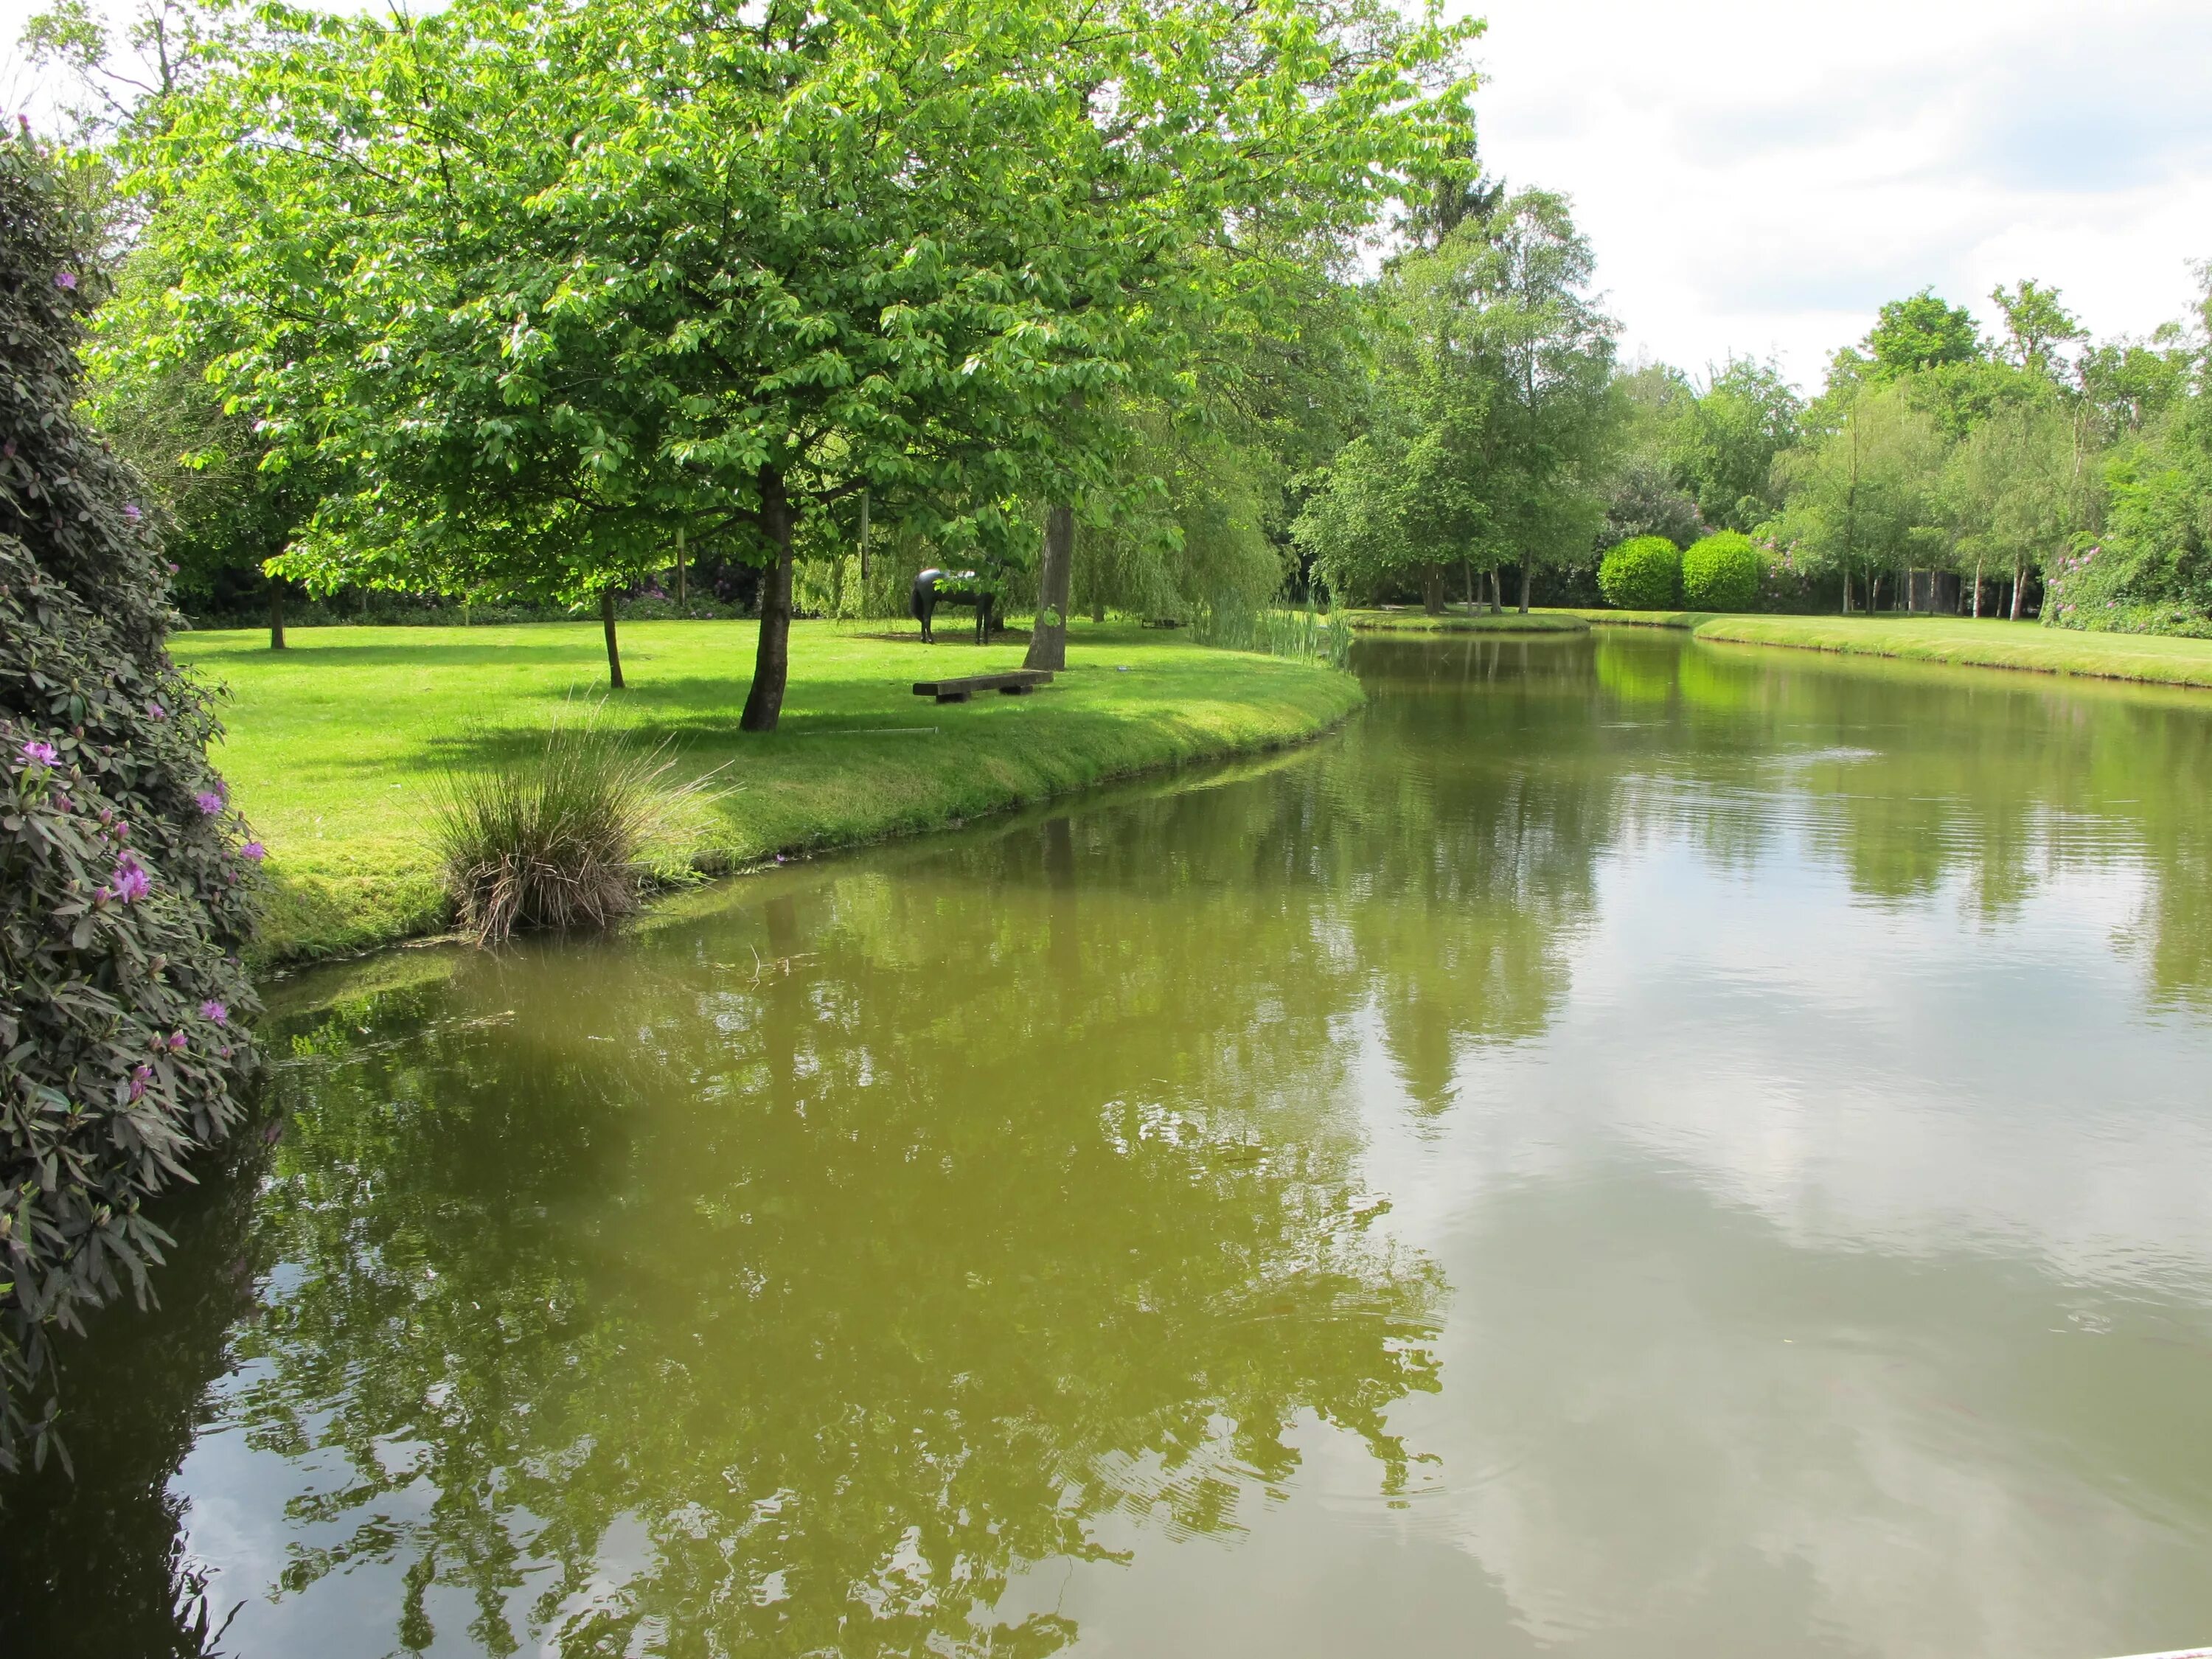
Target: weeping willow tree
1189	529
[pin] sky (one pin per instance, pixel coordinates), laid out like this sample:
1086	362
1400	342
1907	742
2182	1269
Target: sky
1757	179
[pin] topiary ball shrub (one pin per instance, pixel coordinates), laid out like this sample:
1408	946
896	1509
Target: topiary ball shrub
1722	572
1643	572
125	883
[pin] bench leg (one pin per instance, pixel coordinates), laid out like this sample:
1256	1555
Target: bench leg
1016	690
952	697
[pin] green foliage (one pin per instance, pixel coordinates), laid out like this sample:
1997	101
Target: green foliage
1641	574
1923	333
2036	326
1864	499
1497	412
2017	490
1723	572
125	891
556	838
1725	448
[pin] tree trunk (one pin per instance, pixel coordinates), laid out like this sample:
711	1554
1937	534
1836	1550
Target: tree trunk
1978	590
1098	610
1433	589
1467	568
2019	589
1526	576
772	658
1497	592
1055	576
681	595
277	613
607	624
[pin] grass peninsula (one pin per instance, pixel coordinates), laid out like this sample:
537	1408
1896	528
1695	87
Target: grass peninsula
334	747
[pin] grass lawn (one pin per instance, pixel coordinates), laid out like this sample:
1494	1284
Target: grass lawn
1984	644
1418	621
334	744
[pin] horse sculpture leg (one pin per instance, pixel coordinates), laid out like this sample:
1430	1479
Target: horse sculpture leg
922	607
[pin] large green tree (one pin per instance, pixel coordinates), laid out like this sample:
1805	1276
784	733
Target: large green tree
1498	413
730	267
1863	498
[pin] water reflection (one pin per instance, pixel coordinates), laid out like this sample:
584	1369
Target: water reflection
1631	1147
811	1269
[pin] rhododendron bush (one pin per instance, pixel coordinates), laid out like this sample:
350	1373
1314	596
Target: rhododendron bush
125	880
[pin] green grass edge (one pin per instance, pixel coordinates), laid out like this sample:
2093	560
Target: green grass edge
1511	622
346	899
2023	647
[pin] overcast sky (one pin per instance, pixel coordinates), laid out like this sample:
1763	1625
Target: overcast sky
1760	177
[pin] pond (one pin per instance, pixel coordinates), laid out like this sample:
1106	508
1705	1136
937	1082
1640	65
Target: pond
1630	1147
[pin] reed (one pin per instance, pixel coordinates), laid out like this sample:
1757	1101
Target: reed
1306	635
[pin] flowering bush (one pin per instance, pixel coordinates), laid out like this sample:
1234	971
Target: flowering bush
123	896
1641	574
1785	575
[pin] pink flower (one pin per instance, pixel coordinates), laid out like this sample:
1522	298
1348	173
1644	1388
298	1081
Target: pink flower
139	1078
40	754
176	1041
65	280
130	882
210	801
253	850
131	512
215	1011
157	711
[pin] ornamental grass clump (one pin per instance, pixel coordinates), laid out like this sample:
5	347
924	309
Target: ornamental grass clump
1643	572
559	839
127	881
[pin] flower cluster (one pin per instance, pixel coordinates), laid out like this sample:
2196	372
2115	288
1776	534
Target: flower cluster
130	882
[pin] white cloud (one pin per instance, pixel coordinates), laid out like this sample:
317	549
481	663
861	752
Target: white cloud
1760	178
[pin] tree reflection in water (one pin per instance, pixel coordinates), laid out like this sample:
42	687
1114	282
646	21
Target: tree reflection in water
818	1267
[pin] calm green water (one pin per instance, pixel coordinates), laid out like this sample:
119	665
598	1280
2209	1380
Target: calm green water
1629	1149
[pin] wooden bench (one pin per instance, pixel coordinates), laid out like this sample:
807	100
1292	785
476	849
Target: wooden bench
1015	683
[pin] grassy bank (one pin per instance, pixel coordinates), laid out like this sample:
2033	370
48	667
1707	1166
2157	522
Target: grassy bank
2154	658
334	744
1419	622
1640	619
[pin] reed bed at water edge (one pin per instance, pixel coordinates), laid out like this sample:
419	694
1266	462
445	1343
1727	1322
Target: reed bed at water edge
1306	636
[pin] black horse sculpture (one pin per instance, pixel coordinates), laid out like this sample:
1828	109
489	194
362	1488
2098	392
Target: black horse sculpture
934	587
